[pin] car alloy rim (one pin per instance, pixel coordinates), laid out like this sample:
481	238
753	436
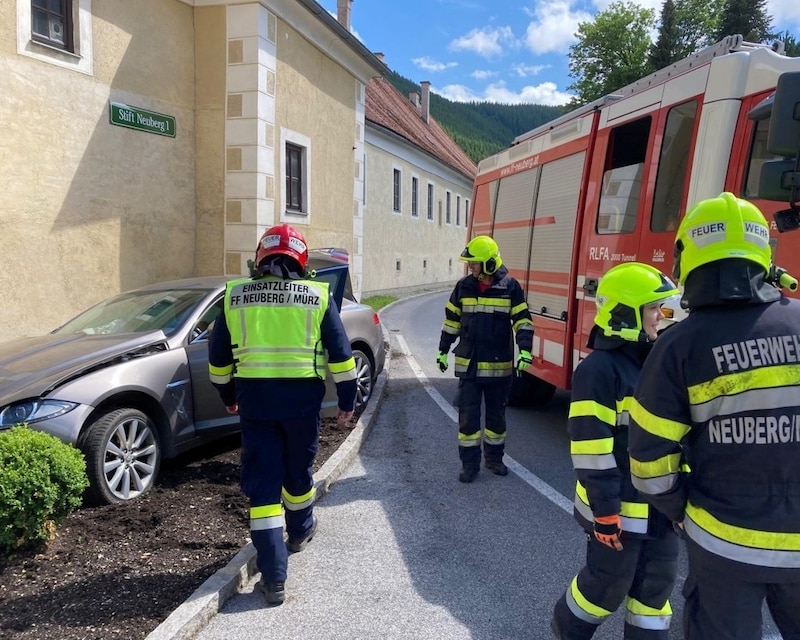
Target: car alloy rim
363	380
130	459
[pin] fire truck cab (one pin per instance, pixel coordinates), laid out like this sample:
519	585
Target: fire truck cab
609	182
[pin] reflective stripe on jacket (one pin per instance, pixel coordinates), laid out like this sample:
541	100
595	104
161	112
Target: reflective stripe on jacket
715	431
275	325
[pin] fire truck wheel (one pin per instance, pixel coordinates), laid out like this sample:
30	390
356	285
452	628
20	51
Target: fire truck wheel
529	391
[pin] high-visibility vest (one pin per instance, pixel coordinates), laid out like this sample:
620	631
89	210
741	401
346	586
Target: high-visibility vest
275	327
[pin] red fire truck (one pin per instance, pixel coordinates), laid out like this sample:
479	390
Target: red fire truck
608	182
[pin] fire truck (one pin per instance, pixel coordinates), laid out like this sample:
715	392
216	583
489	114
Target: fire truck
609	181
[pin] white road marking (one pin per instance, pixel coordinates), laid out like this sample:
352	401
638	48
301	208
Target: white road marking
527	476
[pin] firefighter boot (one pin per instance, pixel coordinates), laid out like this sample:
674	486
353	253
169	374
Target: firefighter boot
496	466
468	474
274	592
296	545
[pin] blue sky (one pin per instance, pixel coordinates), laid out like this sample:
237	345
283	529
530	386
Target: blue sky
507	51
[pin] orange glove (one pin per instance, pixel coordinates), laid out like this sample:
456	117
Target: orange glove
607	530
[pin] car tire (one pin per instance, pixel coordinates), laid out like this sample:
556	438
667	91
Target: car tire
529	391
365	378
123	456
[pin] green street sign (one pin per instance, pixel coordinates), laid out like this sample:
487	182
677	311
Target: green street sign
124	115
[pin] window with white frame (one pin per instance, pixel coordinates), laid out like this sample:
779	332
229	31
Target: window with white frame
56	31
414	197
448	214
458	211
466	212
430	201
296	171
396	187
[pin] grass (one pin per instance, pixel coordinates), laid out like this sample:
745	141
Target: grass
378	302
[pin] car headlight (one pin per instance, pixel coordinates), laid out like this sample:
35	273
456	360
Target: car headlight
30	411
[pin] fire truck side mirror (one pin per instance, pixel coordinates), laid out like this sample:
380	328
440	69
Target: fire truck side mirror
784	124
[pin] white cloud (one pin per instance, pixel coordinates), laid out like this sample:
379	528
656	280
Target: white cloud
429	64
545	93
483	74
485	42
553	27
525	70
784	15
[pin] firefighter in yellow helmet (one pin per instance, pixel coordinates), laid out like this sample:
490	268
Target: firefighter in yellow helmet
631	550
267	360
715	426
486	311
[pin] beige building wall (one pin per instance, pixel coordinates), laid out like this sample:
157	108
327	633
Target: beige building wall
403	253
90	209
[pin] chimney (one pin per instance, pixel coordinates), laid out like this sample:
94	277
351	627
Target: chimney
414	97
379	55
343	9
426	100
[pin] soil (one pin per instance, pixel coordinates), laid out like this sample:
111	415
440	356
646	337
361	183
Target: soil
118	571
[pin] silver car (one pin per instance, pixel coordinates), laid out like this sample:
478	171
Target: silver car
127	380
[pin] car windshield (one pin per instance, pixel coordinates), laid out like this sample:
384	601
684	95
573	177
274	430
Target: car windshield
137	312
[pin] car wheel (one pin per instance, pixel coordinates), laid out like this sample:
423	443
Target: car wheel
123	455
364	378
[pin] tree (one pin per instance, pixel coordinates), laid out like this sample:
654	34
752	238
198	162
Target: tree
611	51
790	44
668	47
747	17
697	24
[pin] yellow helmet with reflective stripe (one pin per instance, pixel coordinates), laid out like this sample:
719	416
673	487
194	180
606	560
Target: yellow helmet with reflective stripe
483	249
720	228
621	294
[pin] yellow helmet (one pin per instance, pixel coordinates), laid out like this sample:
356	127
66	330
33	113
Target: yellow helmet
720	228
621	294
484	250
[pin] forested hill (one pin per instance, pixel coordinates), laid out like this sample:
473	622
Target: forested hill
481	128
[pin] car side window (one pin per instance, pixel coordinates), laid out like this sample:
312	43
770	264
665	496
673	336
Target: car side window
202	329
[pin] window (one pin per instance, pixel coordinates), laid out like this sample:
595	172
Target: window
51	23
673	164
622	181
430	202
294	178
447	212
414	197
58	32
466	212
759	154
295	194
458	211
396	191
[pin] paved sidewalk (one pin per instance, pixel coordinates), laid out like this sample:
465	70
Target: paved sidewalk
194	614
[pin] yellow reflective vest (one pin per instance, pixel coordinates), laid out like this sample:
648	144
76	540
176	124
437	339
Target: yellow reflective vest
275	327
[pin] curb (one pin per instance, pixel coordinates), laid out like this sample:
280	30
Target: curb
208	599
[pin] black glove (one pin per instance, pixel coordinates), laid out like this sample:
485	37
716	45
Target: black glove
441	360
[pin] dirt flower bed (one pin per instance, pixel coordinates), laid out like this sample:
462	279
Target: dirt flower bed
118	571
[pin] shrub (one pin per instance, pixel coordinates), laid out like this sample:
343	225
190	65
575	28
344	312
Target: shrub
41	483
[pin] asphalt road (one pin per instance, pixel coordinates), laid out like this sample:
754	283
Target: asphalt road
404	551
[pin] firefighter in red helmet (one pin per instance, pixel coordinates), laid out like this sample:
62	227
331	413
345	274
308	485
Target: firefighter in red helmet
267	360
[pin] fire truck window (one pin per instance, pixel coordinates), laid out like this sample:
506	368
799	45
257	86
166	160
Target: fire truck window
622	179
758	156
672	167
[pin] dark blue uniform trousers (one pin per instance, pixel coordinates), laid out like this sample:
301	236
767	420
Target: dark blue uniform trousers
493	394
645	570
278	457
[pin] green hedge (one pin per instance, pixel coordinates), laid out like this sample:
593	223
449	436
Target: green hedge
42	480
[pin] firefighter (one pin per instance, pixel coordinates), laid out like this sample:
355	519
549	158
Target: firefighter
715	426
267	360
631	550
486	310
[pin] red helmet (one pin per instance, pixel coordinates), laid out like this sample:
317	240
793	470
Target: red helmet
284	240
